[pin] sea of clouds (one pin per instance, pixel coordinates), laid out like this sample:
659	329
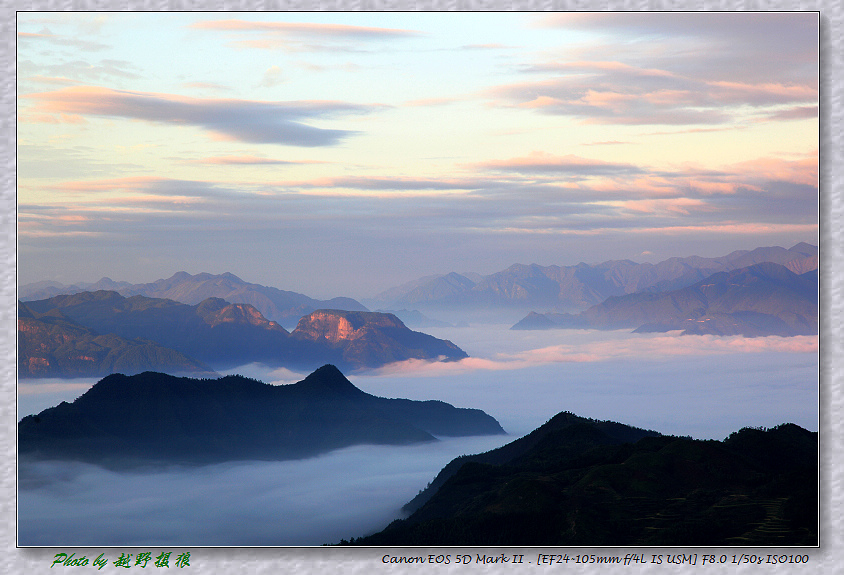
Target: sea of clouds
702	386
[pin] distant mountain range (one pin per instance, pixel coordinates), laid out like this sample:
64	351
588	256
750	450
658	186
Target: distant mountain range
761	299
153	418
572	288
581	482
519	287
212	332
284	307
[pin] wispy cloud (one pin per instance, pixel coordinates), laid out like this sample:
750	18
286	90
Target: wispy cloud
248	160
601	94
307	29
385	183
795	113
673	69
301	36
151	185
272	77
252	121
45	35
80	71
543	163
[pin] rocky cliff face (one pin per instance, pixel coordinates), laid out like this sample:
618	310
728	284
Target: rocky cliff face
370	339
216	311
214	332
336	326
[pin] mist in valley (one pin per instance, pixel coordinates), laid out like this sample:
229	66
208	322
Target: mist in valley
702	386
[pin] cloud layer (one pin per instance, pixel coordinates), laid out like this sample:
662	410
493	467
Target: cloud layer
242	120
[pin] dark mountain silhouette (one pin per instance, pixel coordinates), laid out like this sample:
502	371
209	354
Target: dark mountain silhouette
225	335
580	482
572	288
284	307
762	299
52	345
154	418
578	435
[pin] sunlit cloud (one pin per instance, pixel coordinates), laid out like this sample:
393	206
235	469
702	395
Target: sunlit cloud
250	121
140	184
301	36
802	171
696	82
653	348
680	206
306	29
736	228
45	35
52	386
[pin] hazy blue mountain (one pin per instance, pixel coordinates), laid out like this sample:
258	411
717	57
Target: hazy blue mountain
580	482
48	289
226	335
284	307
572	288
53	345
761	299
153	418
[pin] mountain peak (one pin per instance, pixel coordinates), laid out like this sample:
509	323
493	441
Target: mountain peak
804	249
180	276
327	382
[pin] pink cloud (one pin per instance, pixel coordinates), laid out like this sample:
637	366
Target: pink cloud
738	228
542	102
301	28
133	183
680	206
644	347
762	93
803	171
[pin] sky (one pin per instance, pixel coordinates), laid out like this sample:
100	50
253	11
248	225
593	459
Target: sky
346	153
